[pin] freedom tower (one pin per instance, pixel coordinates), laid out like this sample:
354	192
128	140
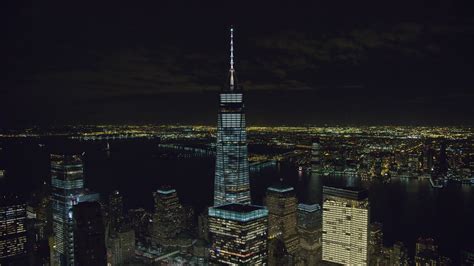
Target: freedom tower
231	183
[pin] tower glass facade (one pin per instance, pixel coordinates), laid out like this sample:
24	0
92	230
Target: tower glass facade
67	185
239	234
231	183
345	225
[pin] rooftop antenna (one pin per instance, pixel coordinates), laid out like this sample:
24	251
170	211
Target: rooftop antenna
231	58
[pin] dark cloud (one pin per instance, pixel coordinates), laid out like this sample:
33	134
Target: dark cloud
73	57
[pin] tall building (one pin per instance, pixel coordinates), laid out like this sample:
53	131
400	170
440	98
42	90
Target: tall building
427	162
345	225
238	234
309	230
231	183
168	218
442	165
121	247
67	184
89	234
115	210
282	204
316	160
13	233
67	190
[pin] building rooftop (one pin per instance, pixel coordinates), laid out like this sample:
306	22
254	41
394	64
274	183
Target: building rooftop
238	212
355	193
166	191
309	207
281	188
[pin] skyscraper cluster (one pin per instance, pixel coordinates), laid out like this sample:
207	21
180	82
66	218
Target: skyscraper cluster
83	230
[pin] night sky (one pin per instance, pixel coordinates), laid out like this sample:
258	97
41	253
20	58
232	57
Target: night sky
347	62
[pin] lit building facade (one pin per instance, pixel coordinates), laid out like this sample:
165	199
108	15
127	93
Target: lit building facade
168	218
282	205
13	233
238	234
67	183
231	183
345	225
67	190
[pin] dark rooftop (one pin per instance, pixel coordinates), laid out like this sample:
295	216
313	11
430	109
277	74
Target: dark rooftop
356	193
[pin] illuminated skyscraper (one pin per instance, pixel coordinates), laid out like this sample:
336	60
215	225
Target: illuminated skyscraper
238	234
13	233
345	225
231	183
281	203
169	215
67	183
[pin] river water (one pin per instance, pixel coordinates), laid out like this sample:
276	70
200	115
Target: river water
407	208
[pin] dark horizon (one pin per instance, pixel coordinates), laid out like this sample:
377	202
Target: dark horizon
315	63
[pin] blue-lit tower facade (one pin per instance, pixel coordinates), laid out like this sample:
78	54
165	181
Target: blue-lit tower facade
231	183
67	184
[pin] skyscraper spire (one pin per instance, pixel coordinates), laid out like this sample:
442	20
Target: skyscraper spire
231	184
231	58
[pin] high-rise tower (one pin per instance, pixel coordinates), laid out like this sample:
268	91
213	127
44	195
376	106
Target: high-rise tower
168	219
67	183
345	225
13	232
239	234
115	210
282	220
89	234
231	184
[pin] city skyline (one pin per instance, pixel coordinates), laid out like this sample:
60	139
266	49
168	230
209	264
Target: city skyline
346	138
